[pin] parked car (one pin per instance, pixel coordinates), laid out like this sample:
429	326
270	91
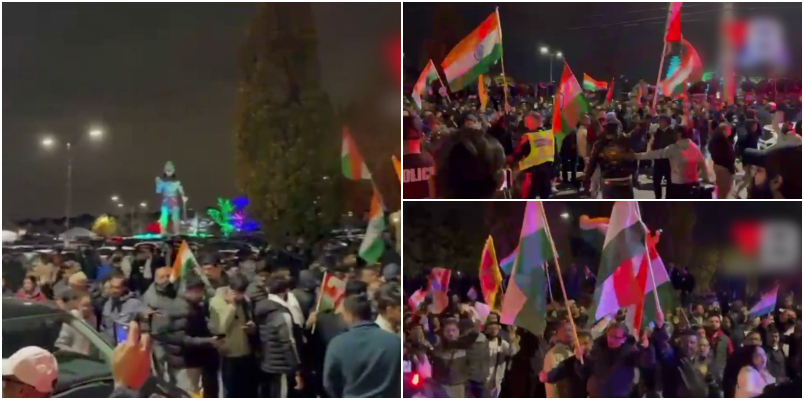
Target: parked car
83	372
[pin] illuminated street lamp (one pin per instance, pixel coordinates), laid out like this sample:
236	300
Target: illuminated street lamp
115	198
120	205
546	51
49	143
565	215
143	204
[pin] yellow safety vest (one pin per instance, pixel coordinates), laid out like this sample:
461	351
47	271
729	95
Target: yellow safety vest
542	149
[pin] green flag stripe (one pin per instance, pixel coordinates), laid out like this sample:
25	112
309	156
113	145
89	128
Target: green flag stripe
460	82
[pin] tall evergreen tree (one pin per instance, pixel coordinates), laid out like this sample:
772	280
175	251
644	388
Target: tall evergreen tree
287	144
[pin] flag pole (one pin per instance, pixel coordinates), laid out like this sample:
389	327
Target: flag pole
650	267
439	79
318	302
661	63
549	285
560	279
502	59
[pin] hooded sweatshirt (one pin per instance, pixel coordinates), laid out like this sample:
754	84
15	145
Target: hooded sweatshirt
686	161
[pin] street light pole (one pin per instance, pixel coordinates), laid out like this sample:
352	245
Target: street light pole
68	206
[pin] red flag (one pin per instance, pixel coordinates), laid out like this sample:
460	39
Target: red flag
610	93
674	23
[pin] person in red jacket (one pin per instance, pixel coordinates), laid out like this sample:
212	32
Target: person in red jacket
30	290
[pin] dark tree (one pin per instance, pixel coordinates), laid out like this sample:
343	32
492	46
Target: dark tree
287	143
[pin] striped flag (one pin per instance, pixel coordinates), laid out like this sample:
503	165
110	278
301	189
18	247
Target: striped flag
332	292
572	105
593	231
475	54
638	316
417	298
184	262
352	164
507	263
593	85
428	75
490	277
623	251
439	286
525	304
373	244
766	304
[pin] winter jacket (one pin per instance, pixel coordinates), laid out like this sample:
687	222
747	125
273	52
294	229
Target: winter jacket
373	371
450	363
662	138
722	152
722	349
565	372
121	310
500	354
555	356
280	337
182	330
777	363
478	356
610	372
230	320
612	156
681	376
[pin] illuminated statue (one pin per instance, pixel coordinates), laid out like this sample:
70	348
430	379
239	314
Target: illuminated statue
170	188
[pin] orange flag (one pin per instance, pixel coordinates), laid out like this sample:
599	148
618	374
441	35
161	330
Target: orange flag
397	167
481	92
490	276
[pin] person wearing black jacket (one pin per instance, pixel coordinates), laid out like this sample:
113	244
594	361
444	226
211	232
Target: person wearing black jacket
682	370
615	157
181	327
281	340
662	138
569	158
723	158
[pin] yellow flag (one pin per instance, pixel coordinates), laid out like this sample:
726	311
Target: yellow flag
481	92
397	167
490	276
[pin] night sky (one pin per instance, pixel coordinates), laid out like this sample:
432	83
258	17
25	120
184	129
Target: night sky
160	80
503	220
601	52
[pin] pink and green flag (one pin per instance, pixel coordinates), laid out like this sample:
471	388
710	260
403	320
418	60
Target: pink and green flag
352	163
571	105
765	305
475	54
525	304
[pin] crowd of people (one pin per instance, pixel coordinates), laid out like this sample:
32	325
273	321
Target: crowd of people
707	346
251	323
713	149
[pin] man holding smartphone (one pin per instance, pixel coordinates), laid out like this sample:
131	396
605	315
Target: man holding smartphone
231	322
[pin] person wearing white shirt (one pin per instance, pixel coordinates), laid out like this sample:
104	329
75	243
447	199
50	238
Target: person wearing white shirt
754	376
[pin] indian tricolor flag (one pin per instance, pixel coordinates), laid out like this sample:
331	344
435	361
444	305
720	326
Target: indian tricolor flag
766	304
332	292
524	304
427	76
571	106
475	54
373	244
352	164
185	261
593	85
620	261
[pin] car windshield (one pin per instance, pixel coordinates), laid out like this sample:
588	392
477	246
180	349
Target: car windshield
81	353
